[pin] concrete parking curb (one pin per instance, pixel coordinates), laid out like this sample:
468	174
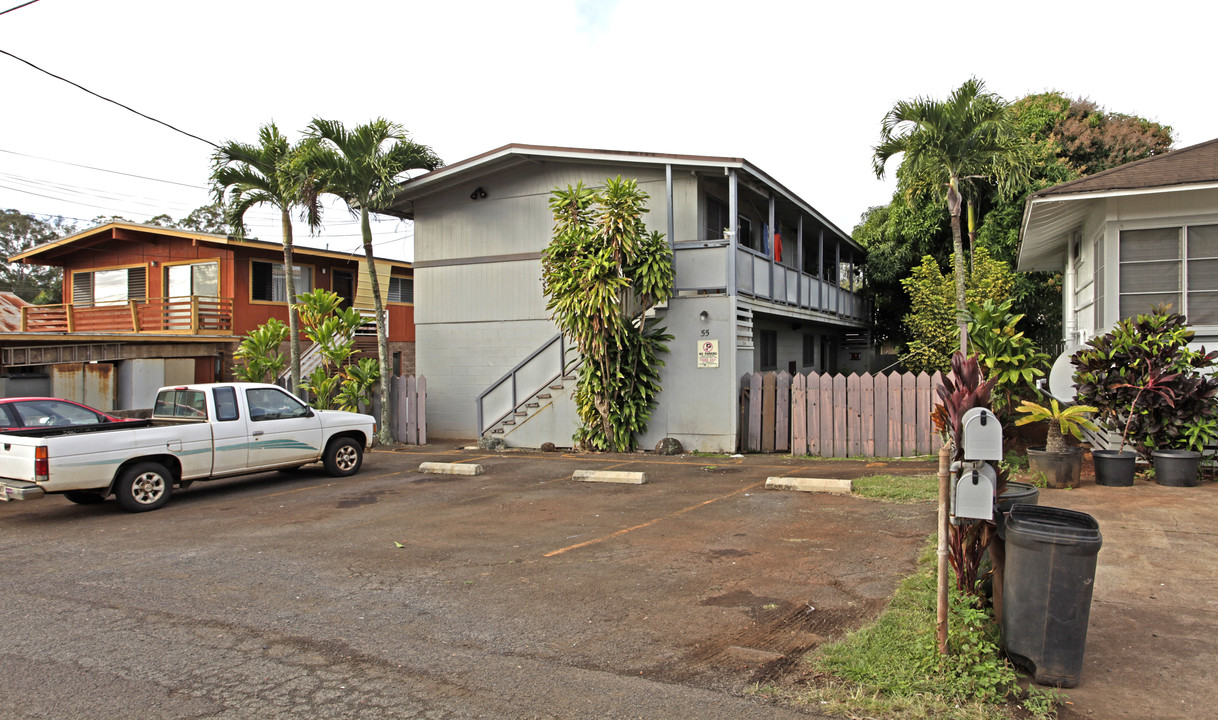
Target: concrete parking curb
610	476
809	484
439	468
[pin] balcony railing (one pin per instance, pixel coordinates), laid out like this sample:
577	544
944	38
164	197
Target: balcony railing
184	315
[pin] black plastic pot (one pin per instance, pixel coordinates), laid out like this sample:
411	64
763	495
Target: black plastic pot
1114	469
1177	468
1050	573
1060	470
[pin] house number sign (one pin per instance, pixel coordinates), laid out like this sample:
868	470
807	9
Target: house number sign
708	353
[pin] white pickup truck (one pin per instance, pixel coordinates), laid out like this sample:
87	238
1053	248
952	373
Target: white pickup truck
197	432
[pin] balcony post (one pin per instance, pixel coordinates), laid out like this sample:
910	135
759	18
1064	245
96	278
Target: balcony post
194	314
799	262
773	251
70	316
733	211
25	318
135	318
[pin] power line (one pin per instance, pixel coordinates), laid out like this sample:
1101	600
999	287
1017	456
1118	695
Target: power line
113	172
115	102
17	7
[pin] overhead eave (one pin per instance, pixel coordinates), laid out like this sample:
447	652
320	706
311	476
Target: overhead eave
1048	221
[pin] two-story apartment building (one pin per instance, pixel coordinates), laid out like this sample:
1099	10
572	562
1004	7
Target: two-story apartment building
145	306
763	282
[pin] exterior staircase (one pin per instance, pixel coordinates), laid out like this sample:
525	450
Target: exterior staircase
532	403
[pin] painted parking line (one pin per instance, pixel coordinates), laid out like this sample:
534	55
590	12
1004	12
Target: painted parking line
651	522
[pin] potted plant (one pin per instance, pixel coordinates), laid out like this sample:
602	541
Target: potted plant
1147	384
1060	464
1180	466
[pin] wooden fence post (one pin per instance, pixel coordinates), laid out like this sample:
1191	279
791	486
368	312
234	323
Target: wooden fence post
755	412
420	402
768	414
880	397
827	431
841	439
814	425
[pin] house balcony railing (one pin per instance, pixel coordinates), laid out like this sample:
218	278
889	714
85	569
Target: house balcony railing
184	315
703	266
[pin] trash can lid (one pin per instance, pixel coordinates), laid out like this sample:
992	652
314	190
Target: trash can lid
1053	525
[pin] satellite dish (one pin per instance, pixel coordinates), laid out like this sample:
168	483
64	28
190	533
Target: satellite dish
1061	377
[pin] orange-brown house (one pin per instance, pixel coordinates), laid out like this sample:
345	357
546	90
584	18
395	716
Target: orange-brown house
171	305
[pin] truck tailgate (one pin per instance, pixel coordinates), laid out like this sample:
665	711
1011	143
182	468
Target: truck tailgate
17	457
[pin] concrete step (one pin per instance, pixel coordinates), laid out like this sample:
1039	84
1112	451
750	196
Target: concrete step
533	405
543	396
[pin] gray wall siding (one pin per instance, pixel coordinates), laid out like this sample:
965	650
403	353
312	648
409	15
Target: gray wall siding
479	293
462	359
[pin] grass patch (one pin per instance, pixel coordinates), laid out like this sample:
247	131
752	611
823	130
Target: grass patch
891	669
898	488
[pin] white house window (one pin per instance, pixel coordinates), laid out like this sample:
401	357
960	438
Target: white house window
1177	265
202	279
401	290
268	282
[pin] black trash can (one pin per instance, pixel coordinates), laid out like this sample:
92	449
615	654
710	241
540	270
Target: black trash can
1050	573
1016	492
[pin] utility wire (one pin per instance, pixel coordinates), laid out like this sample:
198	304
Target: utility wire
17	7
115	102
114	172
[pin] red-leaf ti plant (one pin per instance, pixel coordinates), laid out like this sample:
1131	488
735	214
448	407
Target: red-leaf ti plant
961	391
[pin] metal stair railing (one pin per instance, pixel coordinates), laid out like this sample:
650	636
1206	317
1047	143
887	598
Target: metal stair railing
506	392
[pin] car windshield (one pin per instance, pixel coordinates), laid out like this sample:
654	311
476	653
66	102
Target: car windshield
54	413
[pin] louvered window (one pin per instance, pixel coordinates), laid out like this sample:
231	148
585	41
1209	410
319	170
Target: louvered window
401	289
1170	265
108	287
268	282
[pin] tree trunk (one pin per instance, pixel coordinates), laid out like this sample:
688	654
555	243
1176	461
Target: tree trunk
972	233
953	207
293	317
383	435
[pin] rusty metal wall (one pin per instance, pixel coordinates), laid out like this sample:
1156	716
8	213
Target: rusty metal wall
93	384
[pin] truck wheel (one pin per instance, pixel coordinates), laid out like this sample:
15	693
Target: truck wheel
343	457
85	497
143	487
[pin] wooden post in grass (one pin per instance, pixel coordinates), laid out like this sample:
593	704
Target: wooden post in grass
945	463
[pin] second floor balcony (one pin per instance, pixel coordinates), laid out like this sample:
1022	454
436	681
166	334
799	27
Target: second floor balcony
183	315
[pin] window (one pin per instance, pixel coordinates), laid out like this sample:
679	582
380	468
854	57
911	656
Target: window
53	413
108	287
268	282
273	404
202	279
809	350
226	403
401	289
768	349
718	224
1176	265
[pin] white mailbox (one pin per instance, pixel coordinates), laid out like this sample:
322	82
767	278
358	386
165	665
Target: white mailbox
982	435
973	494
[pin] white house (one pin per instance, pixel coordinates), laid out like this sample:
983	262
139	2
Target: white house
763	282
1129	238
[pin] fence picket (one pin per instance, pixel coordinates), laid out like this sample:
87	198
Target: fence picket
923	411
895	435
880	426
420	402
841	447
814	405
826	416
755	412
866	412
782	408
854	416
799	415
909	412
768	412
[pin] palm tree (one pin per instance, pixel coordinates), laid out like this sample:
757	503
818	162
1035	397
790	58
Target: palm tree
951	146
362	166
246	175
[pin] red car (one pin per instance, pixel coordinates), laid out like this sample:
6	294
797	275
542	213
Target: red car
41	412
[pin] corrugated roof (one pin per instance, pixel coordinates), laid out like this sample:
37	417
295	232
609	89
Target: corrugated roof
1186	166
10	312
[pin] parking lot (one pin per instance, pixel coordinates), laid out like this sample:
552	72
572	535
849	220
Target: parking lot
515	594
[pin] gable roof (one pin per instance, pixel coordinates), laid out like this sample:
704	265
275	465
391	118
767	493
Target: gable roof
516	154
1052	214
1186	166
45	253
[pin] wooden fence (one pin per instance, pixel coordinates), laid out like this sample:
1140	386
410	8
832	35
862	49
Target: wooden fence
408	408
838	416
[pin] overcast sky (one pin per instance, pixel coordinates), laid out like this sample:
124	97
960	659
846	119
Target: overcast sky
797	88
